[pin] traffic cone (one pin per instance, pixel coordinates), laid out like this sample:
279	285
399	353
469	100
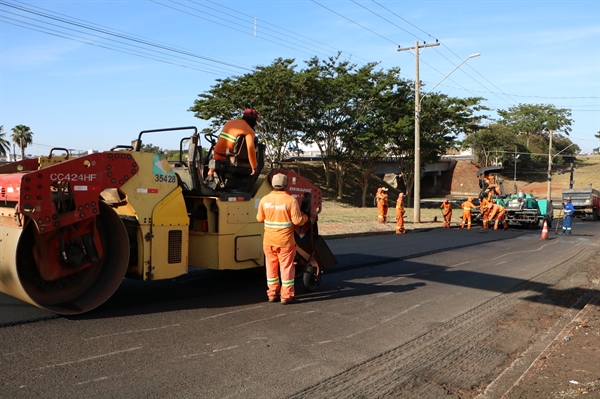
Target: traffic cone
544	235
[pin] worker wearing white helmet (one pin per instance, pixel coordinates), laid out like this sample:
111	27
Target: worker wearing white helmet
280	212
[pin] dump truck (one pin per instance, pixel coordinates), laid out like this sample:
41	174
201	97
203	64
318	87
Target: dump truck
73	228
586	202
521	209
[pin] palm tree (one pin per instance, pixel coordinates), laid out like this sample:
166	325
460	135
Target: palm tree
4	144
22	137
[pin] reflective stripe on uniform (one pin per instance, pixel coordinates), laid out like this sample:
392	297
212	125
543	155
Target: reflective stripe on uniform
273	281
287	283
227	137
278	225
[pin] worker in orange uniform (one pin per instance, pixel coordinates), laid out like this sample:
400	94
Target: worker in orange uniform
497	213
492	188
447	212
484	206
400	214
382	204
467	207
280	212
230	132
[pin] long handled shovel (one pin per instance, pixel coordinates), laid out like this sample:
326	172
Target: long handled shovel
558	222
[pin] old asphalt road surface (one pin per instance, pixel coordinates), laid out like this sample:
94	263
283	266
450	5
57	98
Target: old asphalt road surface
434	314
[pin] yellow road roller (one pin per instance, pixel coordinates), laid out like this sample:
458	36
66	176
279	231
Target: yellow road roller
71	228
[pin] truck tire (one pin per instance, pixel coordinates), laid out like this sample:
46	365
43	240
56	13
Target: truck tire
595	217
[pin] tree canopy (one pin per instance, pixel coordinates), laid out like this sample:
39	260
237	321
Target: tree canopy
22	136
4	144
354	115
351	114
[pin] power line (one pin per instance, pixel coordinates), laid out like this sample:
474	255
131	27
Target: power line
278	27
109	32
57	33
457	56
373	12
232	28
408	22
101	46
354	22
520	95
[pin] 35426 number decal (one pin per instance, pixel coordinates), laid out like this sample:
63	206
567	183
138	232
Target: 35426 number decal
165	178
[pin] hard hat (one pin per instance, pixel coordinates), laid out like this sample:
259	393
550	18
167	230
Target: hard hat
469	199
445	199
250	113
401	195
251	117
568	198
279	181
385	189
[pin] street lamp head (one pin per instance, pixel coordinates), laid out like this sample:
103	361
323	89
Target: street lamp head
474	55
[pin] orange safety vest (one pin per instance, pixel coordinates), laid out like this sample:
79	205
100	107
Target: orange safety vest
228	136
280	212
467	206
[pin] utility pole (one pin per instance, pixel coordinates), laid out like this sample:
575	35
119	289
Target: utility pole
549	194
417	173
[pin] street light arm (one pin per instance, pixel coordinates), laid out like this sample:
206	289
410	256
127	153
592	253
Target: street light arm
444	78
558	153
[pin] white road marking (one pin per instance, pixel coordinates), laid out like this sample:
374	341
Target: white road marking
404	311
225	349
90	358
303	366
522	252
461	263
384	294
266	318
132	332
390	281
228	313
501	263
94	380
376	325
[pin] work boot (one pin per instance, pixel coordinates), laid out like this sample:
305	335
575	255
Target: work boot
288	301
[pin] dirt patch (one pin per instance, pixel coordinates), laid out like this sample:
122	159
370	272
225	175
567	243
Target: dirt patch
570	367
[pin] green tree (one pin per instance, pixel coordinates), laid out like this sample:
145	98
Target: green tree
324	108
443	118
531	120
4	144
495	138
274	91
152	148
364	140
22	137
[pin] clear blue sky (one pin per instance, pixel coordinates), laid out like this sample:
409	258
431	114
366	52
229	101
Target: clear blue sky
85	88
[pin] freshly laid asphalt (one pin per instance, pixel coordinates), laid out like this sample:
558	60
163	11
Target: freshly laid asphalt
382	248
